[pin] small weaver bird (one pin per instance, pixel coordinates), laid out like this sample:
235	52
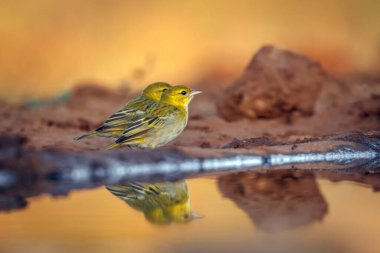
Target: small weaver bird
115	125
161	203
162	123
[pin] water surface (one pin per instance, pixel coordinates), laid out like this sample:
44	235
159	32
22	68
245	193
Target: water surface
282	211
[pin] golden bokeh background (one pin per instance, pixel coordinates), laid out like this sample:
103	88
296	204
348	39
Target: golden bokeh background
49	46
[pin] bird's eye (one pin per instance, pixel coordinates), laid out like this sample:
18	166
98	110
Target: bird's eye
165	90
183	92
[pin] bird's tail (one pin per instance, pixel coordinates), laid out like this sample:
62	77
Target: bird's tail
118	190
93	133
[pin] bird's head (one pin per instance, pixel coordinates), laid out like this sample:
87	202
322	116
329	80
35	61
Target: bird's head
155	90
179	95
183	213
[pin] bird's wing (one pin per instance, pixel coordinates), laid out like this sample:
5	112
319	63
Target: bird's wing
146	188
156	191
141	127
122	117
130	191
129	113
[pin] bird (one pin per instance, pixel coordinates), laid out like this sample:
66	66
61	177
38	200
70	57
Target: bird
162	123
161	203
114	126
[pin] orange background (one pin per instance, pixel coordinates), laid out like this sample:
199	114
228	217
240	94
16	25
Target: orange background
49	46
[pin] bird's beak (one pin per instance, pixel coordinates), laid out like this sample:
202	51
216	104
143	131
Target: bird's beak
194	92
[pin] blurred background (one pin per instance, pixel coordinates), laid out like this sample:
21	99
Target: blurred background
49	46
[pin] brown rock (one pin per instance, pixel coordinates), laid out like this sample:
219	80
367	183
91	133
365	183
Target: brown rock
276	83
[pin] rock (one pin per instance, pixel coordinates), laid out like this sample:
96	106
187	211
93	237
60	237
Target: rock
276	83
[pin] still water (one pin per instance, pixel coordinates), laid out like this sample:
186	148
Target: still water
281	211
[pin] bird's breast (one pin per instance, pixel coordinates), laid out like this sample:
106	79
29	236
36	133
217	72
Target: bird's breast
174	126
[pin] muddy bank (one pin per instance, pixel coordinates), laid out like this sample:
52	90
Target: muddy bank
298	99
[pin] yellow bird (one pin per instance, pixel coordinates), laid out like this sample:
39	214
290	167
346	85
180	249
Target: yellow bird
162	123
114	126
161	203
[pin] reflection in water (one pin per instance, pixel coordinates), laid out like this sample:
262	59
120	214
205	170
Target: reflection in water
276	201
161	203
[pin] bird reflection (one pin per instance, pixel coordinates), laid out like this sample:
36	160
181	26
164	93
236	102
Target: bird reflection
276	201
161	203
